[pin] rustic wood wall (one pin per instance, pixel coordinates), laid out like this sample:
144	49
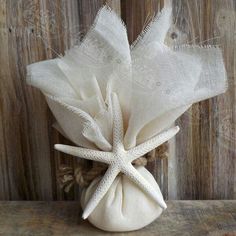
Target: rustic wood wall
202	164
206	146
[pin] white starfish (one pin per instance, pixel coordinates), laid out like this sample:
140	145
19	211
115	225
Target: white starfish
119	159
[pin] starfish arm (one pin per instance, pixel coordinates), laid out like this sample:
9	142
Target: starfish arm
154	142
118	132
137	178
85	153
101	190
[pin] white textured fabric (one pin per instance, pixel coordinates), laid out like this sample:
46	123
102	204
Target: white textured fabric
152	80
155	84
124	207
119	159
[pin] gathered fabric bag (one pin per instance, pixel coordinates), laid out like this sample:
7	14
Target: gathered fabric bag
124	207
154	83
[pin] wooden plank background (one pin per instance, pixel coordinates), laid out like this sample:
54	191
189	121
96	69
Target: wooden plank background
201	164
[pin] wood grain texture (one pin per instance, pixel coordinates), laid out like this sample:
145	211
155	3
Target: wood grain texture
32	31
190	218
25	154
137	15
206	145
203	162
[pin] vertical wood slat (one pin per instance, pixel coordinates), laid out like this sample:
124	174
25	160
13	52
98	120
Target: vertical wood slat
205	147
137	15
88	10
30	31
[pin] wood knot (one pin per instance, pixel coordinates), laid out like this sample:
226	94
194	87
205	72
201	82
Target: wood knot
173	35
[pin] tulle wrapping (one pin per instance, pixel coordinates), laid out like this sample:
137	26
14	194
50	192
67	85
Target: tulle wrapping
155	83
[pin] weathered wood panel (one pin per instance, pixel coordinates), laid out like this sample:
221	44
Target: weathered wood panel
203	164
190	218
25	155
32	31
205	147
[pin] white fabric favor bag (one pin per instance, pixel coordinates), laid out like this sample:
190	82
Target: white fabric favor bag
150	83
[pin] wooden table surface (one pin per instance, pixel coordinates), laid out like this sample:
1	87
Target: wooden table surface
63	218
